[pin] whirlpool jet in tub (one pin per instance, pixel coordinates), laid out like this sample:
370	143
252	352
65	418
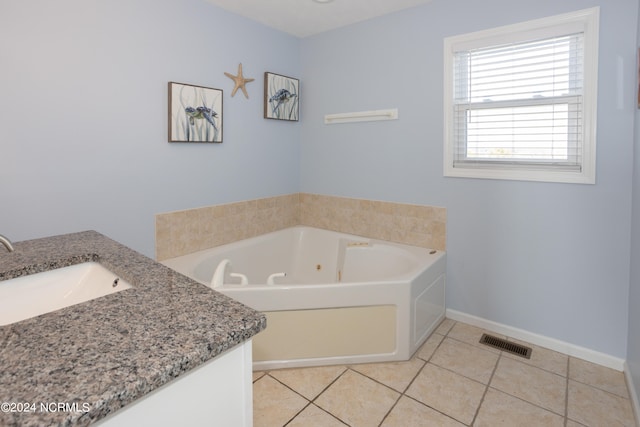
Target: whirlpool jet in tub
329	298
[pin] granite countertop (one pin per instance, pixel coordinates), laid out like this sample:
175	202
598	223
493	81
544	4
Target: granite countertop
98	356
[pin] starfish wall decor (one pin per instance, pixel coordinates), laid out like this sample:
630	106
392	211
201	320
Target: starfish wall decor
240	81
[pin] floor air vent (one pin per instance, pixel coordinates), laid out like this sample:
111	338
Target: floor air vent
505	345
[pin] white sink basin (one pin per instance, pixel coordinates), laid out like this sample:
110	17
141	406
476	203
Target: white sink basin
29	296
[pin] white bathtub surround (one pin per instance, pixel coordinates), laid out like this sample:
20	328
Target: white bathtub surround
344	298
182	232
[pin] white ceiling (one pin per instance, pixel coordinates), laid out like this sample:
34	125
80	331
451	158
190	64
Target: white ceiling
303	18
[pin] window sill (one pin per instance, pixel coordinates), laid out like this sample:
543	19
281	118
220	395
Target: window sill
522	174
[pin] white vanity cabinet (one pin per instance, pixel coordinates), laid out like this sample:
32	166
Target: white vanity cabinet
216	393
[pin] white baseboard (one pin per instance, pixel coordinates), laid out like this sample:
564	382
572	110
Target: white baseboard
556	345
540	340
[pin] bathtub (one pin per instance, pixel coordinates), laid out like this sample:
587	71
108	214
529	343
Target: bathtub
332	298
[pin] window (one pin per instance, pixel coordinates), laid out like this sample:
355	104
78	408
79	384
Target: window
520	101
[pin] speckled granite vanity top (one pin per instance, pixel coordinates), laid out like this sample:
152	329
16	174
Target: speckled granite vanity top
100	355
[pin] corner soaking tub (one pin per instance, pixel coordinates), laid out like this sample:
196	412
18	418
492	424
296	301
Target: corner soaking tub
329	298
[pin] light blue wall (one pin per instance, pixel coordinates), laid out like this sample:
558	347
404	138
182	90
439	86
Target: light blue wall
552	259
83	144
83	115
633	351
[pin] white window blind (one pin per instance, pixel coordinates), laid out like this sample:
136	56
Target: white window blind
521	104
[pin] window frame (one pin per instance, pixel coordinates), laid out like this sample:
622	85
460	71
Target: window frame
584	21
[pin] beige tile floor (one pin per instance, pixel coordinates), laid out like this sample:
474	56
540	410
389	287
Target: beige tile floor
451	381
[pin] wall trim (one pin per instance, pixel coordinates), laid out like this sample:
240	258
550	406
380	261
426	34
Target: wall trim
541	340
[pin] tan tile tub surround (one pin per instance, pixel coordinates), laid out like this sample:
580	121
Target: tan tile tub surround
182	232
416	225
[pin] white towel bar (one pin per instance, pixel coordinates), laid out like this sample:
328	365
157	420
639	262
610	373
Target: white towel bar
361	116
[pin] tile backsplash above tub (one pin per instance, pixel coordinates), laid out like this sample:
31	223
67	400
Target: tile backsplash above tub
182	232
416	225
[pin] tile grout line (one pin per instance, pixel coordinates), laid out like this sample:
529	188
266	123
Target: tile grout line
403	393
503	354
390	409
427	361
596	387
486	389
285	385
312	401
447	369
296	414
506	355
566	395
400	393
